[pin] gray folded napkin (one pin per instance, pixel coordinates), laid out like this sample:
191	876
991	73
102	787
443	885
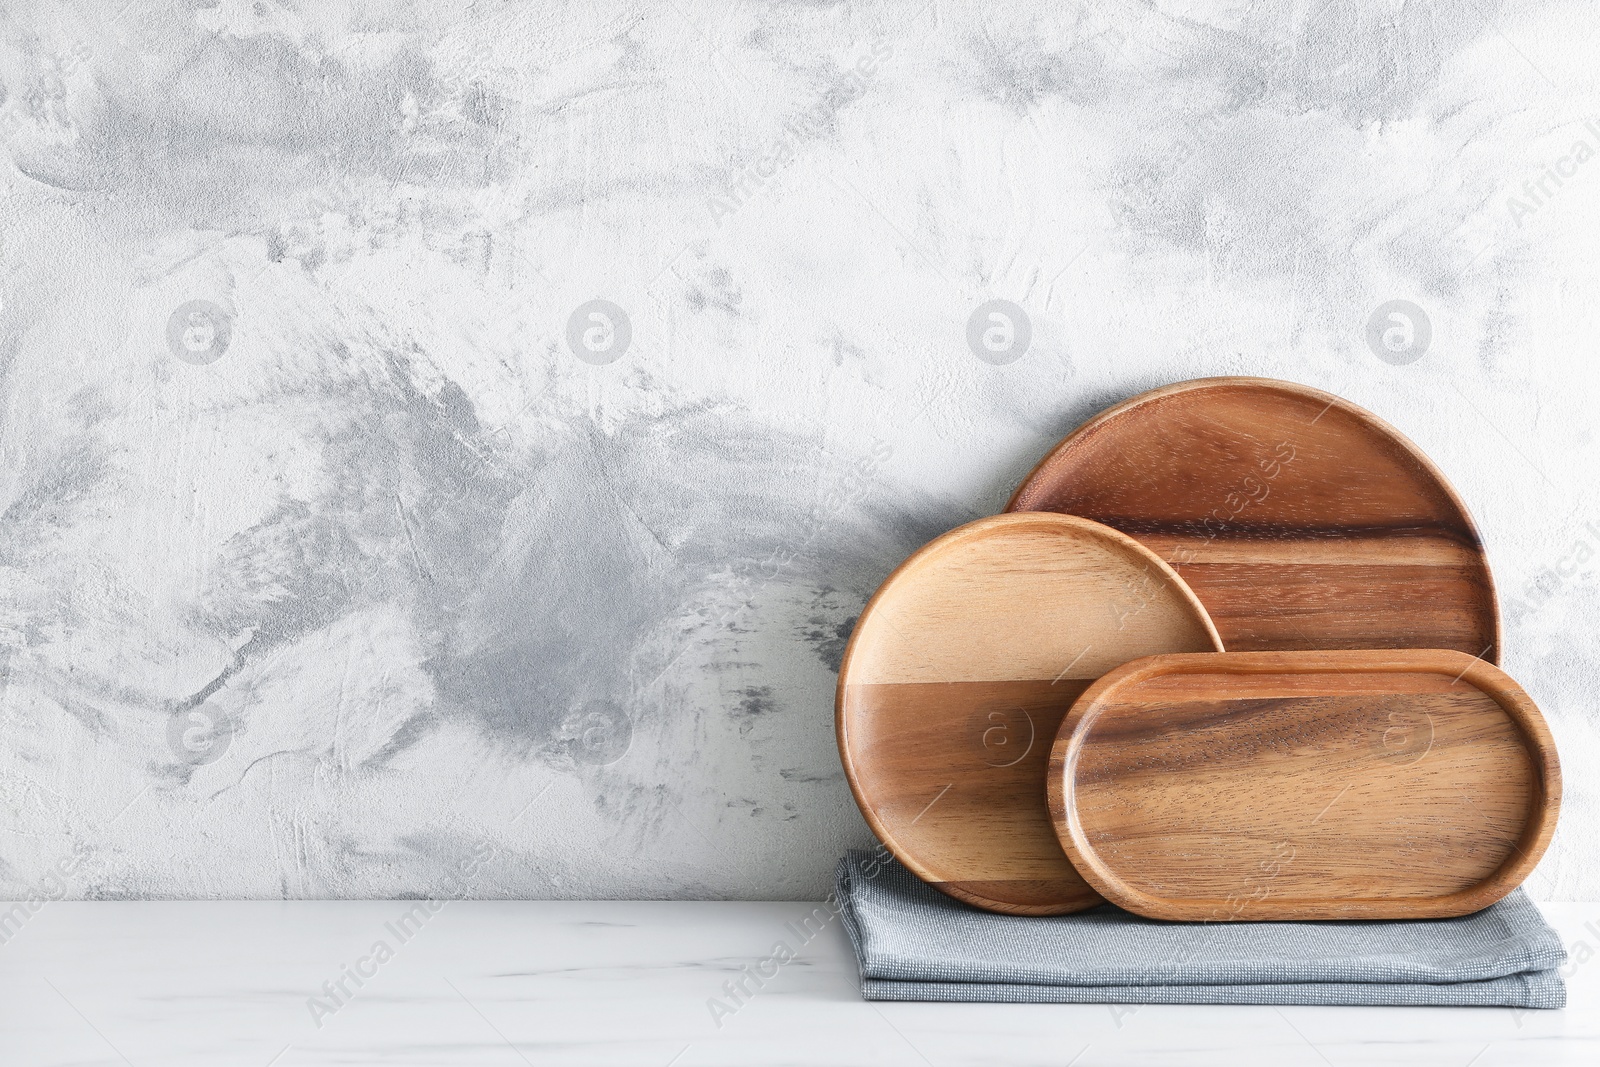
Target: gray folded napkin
915	943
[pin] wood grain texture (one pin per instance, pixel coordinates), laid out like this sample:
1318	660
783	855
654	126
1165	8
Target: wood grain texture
1305	785
1300	520
957	677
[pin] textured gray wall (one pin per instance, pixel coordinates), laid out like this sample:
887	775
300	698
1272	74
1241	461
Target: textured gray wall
327	564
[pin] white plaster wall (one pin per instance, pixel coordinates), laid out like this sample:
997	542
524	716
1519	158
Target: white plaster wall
438	585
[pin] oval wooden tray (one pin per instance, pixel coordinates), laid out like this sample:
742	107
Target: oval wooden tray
958	674
1300	520
1305	785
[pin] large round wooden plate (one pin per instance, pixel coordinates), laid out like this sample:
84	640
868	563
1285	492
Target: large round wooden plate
1383	784
1300	520
956	680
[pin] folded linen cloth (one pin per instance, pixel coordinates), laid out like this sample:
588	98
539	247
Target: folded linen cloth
915	943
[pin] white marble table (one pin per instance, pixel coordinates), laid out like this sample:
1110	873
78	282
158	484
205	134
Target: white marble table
170	984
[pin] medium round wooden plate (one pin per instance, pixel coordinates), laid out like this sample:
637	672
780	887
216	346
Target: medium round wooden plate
1300	520
1391	784
958	675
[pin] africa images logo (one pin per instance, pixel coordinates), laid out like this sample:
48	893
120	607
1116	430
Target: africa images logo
198	332
599	332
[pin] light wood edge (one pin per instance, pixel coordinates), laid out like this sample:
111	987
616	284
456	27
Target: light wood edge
1482	675
922	555
1095	423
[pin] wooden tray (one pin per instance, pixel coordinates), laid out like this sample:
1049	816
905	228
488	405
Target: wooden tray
1305	785
958	674
1300	520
